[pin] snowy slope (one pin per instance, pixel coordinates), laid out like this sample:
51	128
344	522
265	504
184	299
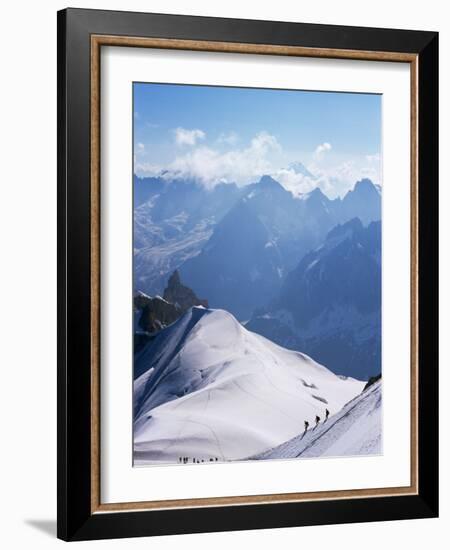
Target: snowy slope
205	387
355	430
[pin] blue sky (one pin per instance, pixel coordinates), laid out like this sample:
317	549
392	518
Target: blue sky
224	134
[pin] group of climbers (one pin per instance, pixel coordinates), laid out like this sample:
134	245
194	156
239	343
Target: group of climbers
185	460
327	414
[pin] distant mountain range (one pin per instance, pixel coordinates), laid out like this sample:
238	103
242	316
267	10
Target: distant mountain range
245	261
330	305
174	222
304	271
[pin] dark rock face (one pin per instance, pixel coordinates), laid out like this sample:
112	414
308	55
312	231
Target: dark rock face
157	314
154	314
181	296
372	381
140	300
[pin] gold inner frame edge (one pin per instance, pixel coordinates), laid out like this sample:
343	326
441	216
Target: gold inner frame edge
97	41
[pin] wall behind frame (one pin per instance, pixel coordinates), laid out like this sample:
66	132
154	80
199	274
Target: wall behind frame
28	275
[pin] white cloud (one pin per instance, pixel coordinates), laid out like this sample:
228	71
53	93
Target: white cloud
188	137
241	166
296	183
228	138
263	142
337	179
373	158
139	150
321	149
334	177
210	165
146	169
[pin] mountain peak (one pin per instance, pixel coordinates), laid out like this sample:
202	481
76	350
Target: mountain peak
317	195
267	182
182	296
365	186
174	279
363	201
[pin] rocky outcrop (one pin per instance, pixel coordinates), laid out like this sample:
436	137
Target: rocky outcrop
154	314
140	300
157	314
372	381
181	296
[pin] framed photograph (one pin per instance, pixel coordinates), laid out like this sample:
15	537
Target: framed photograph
247	263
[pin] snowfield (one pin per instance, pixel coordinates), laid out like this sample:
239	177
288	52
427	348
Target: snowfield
207	388
353	431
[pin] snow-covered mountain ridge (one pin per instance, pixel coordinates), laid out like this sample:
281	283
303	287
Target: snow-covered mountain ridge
353	431
207	388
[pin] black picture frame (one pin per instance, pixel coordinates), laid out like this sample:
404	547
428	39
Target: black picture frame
76	521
